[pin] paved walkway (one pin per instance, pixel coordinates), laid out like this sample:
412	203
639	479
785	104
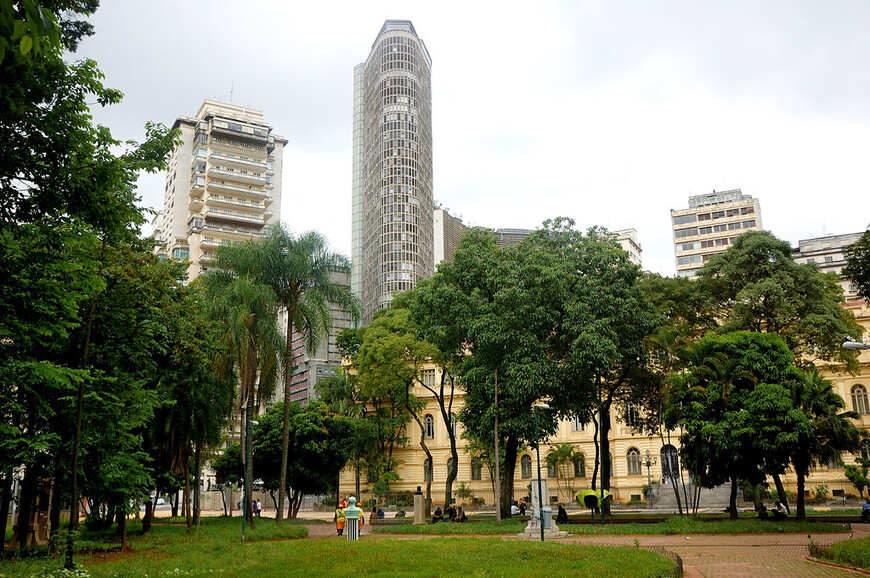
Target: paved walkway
707	555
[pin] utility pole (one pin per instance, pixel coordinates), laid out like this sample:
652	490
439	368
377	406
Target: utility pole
497	476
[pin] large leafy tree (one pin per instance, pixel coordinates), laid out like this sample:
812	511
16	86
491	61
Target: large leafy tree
437	310
757	286
321	445
299	270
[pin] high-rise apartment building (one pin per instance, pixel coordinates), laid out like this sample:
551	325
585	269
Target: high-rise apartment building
223	185
392	236
448	233
627	239
312	366
710	225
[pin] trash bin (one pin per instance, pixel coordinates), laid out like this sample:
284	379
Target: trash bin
546	517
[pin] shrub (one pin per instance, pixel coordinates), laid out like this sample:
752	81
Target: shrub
821	492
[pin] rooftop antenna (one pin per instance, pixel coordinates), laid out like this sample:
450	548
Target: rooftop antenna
231	92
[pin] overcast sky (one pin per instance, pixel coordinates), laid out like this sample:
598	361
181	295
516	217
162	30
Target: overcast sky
610	112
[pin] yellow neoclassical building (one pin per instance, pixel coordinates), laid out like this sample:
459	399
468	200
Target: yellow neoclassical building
632	465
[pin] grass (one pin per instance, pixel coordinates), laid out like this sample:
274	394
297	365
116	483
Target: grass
849	553
216	549
672	525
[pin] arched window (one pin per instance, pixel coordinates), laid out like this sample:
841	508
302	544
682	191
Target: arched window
670	463
429	425
476	469
632	458
859	399
427	470
579	465
577	424
526	467
552	471
865	449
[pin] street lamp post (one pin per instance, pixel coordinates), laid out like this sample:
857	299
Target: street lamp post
649	491
540	486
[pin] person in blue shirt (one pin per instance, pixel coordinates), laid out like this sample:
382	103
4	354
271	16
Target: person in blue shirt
865	510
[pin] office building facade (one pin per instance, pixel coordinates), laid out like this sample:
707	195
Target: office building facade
448	233
710	225
223	184
392	230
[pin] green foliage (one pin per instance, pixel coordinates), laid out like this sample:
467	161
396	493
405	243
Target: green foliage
821	492
858	264
757	286
848	553
857	474
228	467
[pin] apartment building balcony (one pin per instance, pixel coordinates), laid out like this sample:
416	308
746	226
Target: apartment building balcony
249	178
218	201
197	187
237	161
206	259
240	136
223	186
231	232
233	217
195	204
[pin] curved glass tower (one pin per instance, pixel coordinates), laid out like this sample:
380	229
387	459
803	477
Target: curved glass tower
392	173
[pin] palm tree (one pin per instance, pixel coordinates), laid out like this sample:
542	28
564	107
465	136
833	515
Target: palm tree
250	339
299	271
562	458
833	431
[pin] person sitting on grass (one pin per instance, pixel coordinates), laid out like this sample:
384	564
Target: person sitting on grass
450	512
762	513
515	509
438	516
865	511
460	515
780	513
562	515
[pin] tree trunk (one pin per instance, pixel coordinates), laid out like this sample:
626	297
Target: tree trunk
146	519
780	492
507	479
605	455
800	501
5	500
197	481
249	462
25	507
673	474
54	513
187	516
597	454
285	425
756	497
732	501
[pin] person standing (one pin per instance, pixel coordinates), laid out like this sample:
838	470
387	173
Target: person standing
865	511
340	520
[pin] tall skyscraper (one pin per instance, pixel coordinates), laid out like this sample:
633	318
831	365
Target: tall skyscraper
448	233
392	236
223	185
710	225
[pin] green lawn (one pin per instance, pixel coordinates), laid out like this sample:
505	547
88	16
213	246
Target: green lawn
216	549
849	553
672	525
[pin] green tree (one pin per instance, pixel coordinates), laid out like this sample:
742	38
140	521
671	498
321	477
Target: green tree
229	471
299	270
857	474
563	458
757	286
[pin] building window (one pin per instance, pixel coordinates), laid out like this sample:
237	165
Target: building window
476	469
865	449
859	399
670	463
449	464
526	467
632	417
579	465
454	425
429	426
632	459
427	470
427	377
835	463
181	253
551	468
577	424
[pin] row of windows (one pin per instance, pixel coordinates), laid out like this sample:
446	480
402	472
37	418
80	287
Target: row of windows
713	215
693	231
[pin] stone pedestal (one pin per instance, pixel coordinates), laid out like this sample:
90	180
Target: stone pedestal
533	529
420	514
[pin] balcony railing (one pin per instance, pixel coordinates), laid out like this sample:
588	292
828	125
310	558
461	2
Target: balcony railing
237	176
